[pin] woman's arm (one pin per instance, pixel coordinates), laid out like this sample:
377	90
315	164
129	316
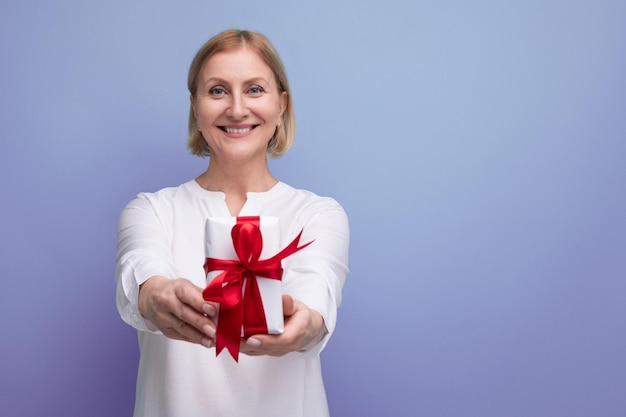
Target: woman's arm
313	280
148	296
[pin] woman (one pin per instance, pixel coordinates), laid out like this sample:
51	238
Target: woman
241	113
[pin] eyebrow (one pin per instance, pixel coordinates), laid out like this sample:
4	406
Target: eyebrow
220	80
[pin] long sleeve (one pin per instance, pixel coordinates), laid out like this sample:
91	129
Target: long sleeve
143	251
316	275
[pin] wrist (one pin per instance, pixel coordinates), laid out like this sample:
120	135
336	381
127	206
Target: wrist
145	289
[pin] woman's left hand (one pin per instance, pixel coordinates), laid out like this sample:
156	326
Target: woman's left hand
302	326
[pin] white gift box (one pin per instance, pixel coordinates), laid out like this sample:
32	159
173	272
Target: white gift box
219	244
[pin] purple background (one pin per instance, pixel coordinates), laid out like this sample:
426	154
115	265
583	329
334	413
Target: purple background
479	148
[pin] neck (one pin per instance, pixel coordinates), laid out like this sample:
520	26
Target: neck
238	179
235	181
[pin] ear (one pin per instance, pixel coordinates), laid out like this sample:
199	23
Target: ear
284	98
193	106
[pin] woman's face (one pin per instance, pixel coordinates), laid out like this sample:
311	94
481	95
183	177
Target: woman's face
238	104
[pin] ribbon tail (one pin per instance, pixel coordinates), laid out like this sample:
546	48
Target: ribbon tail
290	249
227	292
229	330
254	320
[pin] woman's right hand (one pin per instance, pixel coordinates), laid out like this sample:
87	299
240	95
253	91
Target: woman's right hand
177	309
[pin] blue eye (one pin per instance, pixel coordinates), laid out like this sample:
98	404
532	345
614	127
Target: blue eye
217	91
255	90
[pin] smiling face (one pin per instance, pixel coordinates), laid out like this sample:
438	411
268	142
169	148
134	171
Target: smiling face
238	104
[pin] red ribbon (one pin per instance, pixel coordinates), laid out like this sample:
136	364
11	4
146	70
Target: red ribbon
226	288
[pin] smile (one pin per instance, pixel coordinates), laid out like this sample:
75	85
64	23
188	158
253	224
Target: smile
237	130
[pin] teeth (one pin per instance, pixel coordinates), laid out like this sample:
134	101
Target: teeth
233	130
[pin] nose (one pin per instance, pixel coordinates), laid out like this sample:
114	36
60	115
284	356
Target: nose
238	108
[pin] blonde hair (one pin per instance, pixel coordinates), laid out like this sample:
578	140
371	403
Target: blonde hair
228	40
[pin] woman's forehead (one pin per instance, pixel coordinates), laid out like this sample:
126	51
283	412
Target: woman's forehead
239	63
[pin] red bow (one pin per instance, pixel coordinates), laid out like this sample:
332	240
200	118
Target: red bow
227	287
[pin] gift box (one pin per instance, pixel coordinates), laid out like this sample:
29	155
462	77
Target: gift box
243	270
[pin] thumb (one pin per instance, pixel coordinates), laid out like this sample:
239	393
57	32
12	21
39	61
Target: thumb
289	307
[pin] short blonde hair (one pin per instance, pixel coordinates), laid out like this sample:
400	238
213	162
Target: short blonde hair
228	40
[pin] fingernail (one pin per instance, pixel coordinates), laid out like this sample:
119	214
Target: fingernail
207	343
208	330
253	342
208	309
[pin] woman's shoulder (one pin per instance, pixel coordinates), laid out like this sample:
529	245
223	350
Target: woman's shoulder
305	200
170	196
306	209
163	194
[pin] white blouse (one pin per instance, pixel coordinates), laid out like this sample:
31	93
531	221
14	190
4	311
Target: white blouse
162	233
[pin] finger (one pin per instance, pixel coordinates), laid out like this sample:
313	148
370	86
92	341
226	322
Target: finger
288	305
210	309
193	309
192	296
194	325
179	320
172	324
272	345
275	345
172	333
251	348
175	328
